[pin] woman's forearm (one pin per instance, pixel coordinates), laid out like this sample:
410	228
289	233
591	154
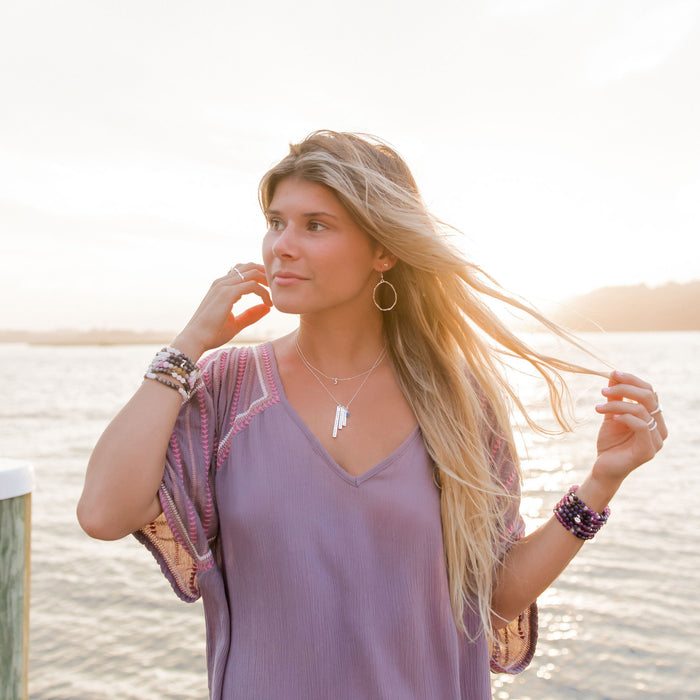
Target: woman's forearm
126	467
533	563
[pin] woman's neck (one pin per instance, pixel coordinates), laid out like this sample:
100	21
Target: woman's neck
341	346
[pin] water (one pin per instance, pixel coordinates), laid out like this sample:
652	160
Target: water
622	622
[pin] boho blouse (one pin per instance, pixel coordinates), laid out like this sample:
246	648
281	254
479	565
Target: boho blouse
315	583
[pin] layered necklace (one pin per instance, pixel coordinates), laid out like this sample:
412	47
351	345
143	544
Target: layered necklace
342	411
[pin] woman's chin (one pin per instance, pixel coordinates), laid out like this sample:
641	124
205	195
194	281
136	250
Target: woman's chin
287	306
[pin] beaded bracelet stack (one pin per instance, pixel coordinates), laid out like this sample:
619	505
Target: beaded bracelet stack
170	362
578	518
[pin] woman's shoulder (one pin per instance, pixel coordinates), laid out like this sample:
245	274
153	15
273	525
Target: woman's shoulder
241	384
239	374
232	359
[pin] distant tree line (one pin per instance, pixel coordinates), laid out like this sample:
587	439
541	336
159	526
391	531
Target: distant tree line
671	307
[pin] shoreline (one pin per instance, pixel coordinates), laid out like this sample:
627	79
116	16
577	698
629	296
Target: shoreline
121	338
104	338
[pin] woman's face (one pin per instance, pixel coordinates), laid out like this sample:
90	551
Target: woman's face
316	258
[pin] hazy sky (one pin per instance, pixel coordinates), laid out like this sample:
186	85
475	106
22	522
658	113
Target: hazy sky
561	137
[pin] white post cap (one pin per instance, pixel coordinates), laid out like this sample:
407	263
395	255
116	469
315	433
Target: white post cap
16	478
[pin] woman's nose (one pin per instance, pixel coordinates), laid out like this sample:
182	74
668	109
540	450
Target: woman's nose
286	244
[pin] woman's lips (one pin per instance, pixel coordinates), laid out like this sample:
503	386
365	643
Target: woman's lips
286	279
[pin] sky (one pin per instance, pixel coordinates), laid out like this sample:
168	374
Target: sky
560	137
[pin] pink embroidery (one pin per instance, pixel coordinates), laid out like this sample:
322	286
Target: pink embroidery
176	459
270	395
242	362
205	564
496	445
208	507
204	428
509	481
207	379
223	361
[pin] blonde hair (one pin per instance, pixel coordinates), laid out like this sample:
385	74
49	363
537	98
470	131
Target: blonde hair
447	346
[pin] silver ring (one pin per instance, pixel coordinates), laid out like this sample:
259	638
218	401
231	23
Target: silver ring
655	411
651	424
236	270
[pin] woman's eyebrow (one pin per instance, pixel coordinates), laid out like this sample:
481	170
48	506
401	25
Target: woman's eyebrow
320	213
309	215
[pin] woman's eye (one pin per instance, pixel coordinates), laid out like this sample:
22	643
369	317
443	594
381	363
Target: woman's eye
316	226
275	225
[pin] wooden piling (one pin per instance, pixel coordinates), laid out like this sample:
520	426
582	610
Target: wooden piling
16	484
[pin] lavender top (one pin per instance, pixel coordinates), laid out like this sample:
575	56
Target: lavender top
315	583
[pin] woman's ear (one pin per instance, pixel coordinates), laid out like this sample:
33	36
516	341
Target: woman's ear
384	260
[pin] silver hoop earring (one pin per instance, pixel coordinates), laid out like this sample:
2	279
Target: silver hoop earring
374	293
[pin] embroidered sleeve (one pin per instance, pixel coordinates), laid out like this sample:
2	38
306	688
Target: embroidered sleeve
513	646
181	538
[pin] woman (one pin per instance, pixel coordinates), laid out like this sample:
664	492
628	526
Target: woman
345	498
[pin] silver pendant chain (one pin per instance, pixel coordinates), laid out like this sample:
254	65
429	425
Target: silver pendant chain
342	412
318	372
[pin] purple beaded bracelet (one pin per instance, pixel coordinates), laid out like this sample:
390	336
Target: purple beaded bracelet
578	518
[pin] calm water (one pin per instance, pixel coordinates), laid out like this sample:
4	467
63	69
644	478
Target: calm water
622	622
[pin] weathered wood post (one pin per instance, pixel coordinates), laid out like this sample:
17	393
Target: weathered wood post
16	483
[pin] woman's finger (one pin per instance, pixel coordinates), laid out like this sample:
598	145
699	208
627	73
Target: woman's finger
661	425
250	316
646	397
245	281
246	272
618	377
657	414
614	408
624	385
637	418
253	287
648	440
234	271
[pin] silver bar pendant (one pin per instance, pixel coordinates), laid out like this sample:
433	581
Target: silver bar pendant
341	419
335	423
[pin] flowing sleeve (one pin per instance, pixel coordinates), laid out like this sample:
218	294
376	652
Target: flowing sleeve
182	537
513	646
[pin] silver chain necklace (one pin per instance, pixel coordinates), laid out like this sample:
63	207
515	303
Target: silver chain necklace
342	412
335	380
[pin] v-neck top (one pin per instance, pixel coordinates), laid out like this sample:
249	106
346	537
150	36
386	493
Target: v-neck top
315	583
311	440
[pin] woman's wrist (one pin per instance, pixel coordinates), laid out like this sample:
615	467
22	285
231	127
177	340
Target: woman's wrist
578	517
596	491
174	369
188	346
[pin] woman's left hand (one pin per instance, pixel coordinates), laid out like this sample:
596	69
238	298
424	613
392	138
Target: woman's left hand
633	429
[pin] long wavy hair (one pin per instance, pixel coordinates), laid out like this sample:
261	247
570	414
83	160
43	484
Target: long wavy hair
447	346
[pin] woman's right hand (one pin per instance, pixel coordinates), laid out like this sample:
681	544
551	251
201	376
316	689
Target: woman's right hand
214	322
